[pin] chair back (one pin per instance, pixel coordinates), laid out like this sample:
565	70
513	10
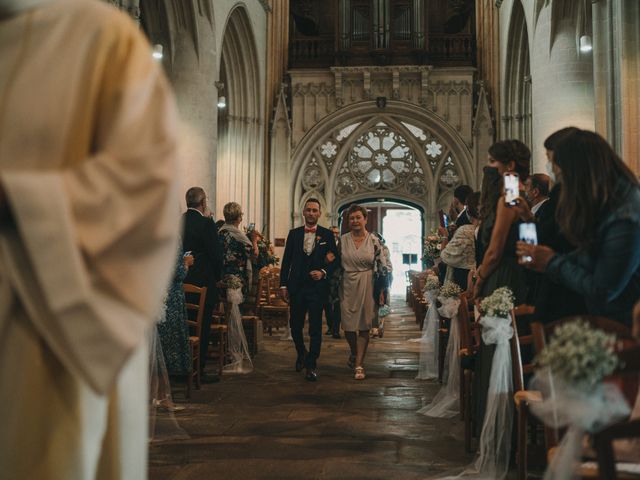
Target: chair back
521	365
195	311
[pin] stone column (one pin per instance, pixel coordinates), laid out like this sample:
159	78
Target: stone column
562	83
132	7
616	58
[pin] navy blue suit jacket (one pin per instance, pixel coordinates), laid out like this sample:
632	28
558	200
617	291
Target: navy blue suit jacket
296	264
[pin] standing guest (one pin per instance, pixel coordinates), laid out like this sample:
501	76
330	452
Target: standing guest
459	255
172	328
382	280
599	212
239	249
88	234
460	195
200	237
537	192
357	303
309	258
497	238
332	307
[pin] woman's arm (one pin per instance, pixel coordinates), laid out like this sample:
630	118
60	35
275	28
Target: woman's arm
504	219
618	258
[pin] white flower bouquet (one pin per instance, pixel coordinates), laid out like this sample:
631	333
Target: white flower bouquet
232	282
450	290
431	248
580	355
498	304
432	283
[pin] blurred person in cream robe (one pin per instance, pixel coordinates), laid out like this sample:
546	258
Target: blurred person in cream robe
89	223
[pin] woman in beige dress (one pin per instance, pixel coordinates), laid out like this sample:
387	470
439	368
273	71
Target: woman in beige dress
357	304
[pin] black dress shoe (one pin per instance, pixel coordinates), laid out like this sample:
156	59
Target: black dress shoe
299	364
311	375
209	378
328	332
336	335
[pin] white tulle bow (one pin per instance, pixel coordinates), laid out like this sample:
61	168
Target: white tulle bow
449	306
237	341
428	361
579	411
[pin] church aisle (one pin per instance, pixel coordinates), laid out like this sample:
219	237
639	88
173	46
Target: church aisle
272	424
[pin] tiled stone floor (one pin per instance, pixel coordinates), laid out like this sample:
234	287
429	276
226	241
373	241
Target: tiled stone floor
272	424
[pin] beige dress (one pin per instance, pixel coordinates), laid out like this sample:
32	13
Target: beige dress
356	290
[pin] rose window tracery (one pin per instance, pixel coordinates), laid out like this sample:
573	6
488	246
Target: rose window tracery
381	159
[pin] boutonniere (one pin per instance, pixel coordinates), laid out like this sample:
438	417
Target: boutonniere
318	238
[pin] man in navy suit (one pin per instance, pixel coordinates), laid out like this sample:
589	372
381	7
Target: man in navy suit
200	237
310	255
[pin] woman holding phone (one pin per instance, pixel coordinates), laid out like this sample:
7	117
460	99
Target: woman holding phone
599	212
496	246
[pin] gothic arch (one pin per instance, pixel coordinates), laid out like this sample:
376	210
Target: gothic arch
419	158
517	118
240	133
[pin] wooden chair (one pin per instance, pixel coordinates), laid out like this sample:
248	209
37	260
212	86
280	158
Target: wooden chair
540	335
275	311
219	331
469	345
627	429
195	311
522	397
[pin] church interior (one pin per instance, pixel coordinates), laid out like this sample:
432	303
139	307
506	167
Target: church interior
391	105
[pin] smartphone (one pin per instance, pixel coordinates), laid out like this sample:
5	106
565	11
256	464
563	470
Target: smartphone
528	234
251	227
511	188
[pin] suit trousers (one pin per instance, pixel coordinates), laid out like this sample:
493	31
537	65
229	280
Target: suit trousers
332	314
307	300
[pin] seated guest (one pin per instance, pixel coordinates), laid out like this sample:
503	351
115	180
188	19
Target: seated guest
239	249
460	195
459	254
599	212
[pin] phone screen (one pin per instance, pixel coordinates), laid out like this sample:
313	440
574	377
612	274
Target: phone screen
444	221
528	234
511	188
251	227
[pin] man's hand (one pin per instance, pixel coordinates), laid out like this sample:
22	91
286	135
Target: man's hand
316	274
539	254
284	293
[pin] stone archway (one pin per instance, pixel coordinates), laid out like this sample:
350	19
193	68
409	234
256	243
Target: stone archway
402	152
240	125
517	118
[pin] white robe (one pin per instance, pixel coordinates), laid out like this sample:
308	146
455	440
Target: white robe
88	163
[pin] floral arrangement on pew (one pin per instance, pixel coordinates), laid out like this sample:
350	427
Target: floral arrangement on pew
431	248
428	360
432	283
232	282
495	437
446	402
498	304
240	360
570	376
266	255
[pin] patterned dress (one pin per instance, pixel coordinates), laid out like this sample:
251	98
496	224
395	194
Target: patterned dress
172	328
236	254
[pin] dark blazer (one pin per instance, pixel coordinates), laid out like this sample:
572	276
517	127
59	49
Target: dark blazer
296	264
201	238
551	299
463	219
